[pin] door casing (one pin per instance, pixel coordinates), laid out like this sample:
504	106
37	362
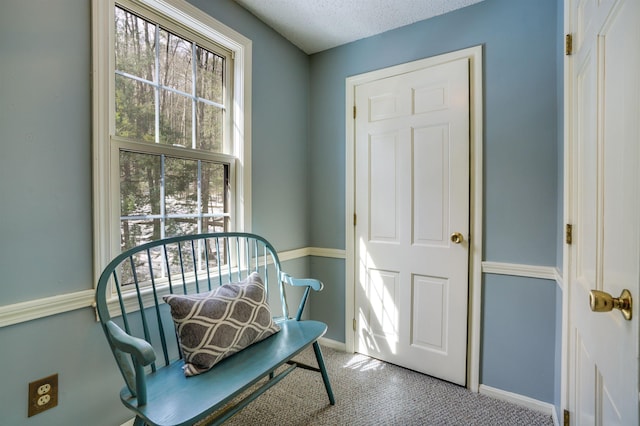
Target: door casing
474	54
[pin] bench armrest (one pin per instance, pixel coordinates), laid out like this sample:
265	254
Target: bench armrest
308	283
142	354
139	349
302	282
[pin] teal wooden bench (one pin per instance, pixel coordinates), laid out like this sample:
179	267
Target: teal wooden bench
142	336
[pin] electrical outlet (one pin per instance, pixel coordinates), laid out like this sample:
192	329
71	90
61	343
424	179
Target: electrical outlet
43	394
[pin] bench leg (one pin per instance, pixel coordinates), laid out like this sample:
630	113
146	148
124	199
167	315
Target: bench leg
323	371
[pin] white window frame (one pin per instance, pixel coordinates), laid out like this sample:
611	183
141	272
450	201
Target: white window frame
106	207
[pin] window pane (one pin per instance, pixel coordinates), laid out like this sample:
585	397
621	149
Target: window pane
140	179
210	76
163	196
138	268
174	252
209	127
134	45
176	69
214	188
181	226
135	113
218	224
136	232
181	186
175	119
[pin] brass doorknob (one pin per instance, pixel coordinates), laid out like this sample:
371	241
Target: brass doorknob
600	301
457	238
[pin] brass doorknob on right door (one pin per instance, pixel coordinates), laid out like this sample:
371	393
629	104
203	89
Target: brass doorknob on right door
457	238
601	301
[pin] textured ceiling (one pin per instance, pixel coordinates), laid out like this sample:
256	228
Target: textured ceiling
316	25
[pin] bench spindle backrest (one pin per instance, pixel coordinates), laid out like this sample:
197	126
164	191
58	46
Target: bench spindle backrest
131	287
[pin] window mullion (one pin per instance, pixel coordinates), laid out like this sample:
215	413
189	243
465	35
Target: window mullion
194	132
225	198
194	105
199	201
199	207
157	85
163	207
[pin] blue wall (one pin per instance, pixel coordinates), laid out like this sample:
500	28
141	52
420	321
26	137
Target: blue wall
45	187
280	99
298	180
45	169
519	332
519	40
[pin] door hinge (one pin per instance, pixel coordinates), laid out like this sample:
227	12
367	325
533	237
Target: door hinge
355	219
568	234
354	325
354	112
568	44
567	418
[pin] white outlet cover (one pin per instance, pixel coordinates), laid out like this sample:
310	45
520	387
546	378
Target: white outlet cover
46	388
44	400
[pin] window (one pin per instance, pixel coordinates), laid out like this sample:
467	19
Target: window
171	148
171	95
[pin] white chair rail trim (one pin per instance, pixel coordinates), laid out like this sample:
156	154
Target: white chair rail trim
519	270
40	308
47	306
44	307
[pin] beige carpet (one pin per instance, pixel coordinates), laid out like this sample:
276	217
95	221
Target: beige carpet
370	392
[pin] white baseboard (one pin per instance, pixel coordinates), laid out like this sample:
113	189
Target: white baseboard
333	344
554	416
523	401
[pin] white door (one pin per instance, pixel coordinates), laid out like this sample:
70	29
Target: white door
604	208
412	207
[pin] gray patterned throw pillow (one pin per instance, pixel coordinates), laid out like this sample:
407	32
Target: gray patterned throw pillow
213	325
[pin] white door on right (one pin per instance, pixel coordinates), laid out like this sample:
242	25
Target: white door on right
604	208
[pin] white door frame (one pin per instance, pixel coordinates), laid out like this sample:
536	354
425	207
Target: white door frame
474	54
566	217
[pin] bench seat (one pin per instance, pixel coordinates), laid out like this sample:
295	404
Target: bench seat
174	399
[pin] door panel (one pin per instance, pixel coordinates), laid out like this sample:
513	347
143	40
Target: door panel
429	322
383	296
383	211
430	185
586	379
412	192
